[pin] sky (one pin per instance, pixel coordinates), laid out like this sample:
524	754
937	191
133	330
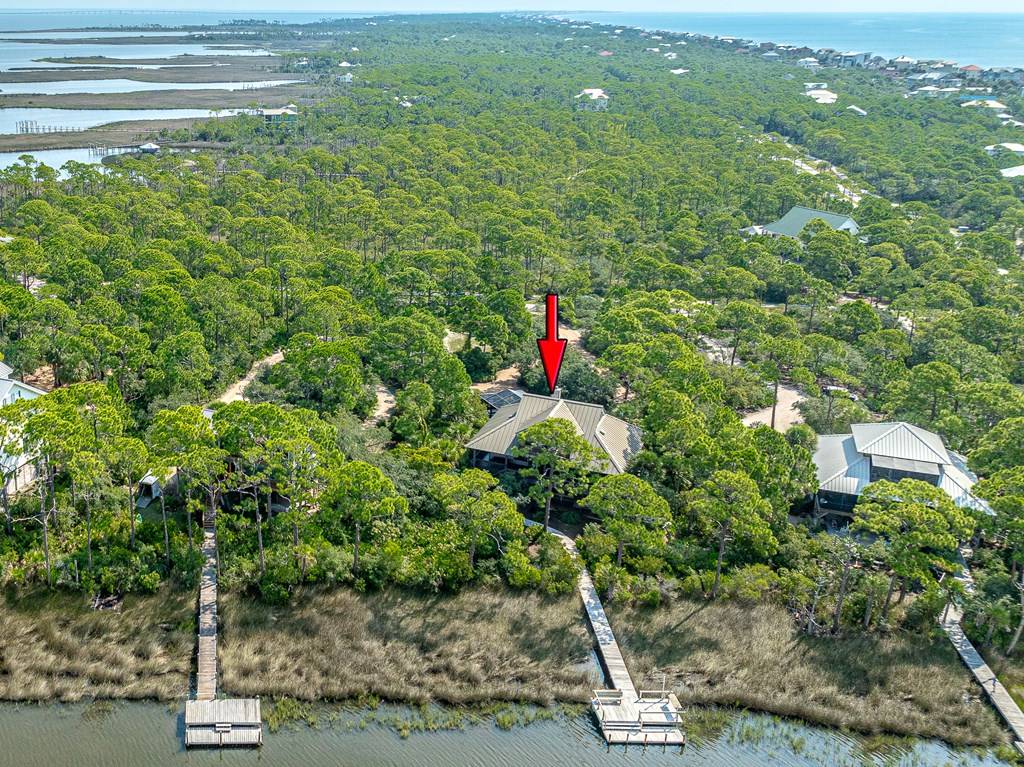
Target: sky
757	6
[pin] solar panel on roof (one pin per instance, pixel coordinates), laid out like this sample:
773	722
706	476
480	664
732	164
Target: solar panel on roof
499	399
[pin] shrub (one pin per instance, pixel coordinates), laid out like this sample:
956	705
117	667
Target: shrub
518	569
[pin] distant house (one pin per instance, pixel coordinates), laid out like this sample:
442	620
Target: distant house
847	463
592	99
903	63
283	116
345	78
18	468
1005	147
1016	172
856	110
809	62
851	59
149	148
615	440
986	103
822	96
793	223
971	71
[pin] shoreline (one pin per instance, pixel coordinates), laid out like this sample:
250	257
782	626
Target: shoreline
488	647
766	41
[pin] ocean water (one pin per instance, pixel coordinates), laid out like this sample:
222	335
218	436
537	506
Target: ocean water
985	39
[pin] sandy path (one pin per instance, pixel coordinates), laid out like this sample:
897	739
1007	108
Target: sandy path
237	389
385	406
786	414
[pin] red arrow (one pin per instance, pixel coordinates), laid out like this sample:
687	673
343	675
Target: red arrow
552	348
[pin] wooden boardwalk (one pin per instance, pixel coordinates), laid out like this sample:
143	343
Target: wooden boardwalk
206	676
985	676
626	716
210	721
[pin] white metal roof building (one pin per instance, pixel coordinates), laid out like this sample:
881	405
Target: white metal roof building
615	440
847	463
16	468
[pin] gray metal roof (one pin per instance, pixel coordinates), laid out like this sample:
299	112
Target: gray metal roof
791	224
617	440
905	464
899	440
843	461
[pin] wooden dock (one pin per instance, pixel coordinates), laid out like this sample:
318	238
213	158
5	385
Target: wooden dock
206	676
626	716
985	676
208	721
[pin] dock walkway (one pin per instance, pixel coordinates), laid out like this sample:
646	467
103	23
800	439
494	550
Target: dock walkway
985	676
209	721
626	716
206	677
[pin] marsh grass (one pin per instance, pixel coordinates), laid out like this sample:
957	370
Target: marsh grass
751	656
56	647
480	646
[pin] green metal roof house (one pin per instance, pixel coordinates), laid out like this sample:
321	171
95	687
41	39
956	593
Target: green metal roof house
615	441
791	224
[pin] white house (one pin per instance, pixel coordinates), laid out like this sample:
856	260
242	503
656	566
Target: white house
593	99
1011	147
809	62
822	96
17	469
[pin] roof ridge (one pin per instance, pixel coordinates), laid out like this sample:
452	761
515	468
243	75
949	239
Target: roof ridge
563	399
886	433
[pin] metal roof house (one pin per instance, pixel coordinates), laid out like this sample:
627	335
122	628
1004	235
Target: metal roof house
847	463
791	224
615	440
18	469
593	99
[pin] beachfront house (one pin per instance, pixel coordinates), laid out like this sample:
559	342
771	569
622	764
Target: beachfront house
592	100
851	59
615	440
847	463
17	468
793	223
809	62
